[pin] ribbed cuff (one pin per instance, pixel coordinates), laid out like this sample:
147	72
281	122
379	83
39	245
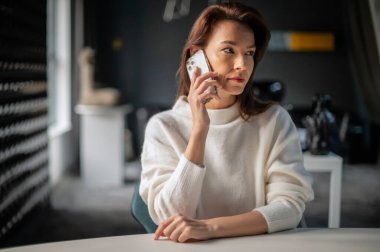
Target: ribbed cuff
279	216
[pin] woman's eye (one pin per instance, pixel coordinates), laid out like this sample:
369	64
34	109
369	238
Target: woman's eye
228	50
251	53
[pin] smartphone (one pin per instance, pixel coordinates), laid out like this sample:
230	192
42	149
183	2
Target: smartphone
197	60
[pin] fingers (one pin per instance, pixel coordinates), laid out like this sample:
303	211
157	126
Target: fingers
196	73
176	232
173	228
159	231
198	79
178	228
207	91
208	96
203	87
176	222
207	84
184	236
162	226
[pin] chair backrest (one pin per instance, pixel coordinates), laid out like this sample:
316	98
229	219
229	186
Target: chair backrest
140	211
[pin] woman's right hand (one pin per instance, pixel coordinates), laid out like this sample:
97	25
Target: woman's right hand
202	90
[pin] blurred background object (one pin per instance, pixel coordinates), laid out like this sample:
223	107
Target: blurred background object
321	126
89	94
24	150
269	90
304	41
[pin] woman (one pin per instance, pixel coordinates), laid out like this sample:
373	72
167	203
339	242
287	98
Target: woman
222	164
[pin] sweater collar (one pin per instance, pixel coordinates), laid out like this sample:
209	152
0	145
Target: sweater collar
217	116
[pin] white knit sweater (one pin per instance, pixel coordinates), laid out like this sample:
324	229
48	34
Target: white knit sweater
254	165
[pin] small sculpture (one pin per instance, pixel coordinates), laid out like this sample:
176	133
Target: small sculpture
320	125
88	94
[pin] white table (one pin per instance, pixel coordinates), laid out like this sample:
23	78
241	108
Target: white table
331	163
309	240
102	152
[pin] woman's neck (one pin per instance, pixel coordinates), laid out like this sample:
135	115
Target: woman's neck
225	102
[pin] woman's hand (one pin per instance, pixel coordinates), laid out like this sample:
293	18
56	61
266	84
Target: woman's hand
202	90
181	229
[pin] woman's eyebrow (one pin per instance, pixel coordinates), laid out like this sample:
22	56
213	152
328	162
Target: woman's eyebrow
230	42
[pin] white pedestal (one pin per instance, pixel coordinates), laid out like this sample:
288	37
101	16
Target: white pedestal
331	163
102	152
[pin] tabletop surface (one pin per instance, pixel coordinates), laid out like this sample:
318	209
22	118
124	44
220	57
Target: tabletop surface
297	240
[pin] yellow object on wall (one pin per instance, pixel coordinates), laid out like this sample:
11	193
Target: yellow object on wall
311	41
302	41
117	44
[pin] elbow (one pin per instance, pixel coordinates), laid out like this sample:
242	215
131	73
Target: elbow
281	215
290	222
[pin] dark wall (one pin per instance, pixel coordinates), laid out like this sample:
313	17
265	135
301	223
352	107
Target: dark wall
144	69
104	22
308	73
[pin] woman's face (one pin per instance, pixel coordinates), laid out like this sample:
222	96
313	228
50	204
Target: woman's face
229	49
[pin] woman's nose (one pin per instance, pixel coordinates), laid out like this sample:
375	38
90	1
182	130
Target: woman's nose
241	63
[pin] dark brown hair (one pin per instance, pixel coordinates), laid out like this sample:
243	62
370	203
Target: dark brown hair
198	36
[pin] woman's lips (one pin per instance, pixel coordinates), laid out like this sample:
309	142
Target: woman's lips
237	79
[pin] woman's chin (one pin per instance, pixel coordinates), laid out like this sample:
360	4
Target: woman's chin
235	91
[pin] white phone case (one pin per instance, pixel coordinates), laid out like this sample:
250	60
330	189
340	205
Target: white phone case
199	60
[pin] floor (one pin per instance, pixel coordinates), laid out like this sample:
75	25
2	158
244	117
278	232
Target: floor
78	212
360	204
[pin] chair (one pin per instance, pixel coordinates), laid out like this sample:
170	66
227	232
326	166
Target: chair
140	211
303	223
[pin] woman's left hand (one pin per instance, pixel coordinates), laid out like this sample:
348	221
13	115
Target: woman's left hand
179	228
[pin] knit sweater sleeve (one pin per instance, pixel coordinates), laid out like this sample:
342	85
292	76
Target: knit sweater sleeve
170	183
288	184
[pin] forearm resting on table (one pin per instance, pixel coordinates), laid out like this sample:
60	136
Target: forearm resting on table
251	223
